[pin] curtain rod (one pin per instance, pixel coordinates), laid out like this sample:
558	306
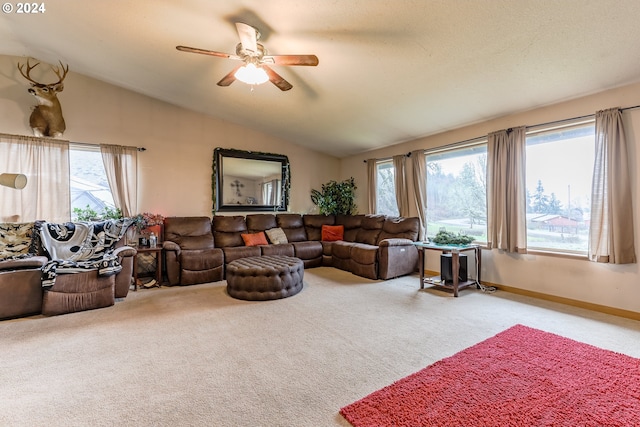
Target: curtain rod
384	159
527	127
87	144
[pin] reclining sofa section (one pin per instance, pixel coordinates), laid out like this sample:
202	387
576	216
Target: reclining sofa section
197	249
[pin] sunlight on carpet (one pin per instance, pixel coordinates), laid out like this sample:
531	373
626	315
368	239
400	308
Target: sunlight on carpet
521	376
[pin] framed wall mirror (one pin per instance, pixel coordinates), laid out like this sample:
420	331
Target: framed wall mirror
249	181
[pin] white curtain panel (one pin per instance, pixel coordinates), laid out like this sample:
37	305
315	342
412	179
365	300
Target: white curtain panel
611	234
372	184
419	163
506	190
402	192
45	162
121	166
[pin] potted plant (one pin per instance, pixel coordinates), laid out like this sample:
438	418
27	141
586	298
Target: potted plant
336	198
147	223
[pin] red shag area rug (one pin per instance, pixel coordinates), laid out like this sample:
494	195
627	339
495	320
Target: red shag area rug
520	377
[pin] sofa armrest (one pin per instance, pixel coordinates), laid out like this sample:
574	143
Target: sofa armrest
397	257
172	253
125	251
171	246
395	242
23	263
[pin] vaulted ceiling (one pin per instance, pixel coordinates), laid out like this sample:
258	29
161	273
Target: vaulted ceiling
389	71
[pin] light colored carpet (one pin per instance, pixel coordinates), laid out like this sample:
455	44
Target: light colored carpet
193	356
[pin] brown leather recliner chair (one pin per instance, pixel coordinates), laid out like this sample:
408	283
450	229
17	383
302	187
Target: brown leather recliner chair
191	255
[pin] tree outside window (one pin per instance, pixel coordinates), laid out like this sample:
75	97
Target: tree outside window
386	203
456	191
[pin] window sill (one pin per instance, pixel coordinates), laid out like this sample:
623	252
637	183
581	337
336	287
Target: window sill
567	255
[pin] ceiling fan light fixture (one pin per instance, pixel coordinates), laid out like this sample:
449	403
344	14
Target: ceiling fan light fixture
251	75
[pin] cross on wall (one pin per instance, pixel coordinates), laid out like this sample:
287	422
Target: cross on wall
237	185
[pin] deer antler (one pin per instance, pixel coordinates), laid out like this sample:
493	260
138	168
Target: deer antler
57	71
29	68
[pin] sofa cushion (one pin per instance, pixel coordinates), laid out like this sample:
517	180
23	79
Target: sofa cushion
341	255
308	250
276	236
232	253
342	249
400	228
370	229
331	233
78	292
189	233
260	222
285	249
313	224
293	227
203	259
227	230
363	253
351	225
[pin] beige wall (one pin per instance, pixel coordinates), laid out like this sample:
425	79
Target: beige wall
175	171
609	285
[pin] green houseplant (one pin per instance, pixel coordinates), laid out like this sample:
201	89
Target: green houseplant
89	214
336	198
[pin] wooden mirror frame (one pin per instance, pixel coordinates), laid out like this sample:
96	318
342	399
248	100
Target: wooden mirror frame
221	192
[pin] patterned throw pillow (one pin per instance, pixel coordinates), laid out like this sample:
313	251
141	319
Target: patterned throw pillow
15	239
255	239
276	236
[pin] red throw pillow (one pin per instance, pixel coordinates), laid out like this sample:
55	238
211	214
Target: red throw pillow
331	233
255	239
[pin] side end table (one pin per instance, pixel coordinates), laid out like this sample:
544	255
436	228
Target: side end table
158	255
455	264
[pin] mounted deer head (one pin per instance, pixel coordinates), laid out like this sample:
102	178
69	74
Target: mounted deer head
46	118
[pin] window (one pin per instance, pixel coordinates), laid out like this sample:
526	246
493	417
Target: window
88	180
559	172
456	191
386	203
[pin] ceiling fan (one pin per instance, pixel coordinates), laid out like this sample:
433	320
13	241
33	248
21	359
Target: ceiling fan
256	60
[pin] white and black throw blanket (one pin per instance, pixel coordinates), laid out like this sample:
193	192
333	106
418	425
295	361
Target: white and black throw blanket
73	247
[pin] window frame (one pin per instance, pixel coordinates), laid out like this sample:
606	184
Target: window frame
386	164
81	147
563	125
476	144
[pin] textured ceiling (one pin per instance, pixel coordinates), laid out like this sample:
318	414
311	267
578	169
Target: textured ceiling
390	71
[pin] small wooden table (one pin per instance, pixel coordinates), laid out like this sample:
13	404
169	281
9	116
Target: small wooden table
158	255
455	264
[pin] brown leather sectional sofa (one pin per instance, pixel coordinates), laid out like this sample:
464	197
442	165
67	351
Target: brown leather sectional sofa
197	249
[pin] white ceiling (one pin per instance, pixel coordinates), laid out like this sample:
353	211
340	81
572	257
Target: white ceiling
390	71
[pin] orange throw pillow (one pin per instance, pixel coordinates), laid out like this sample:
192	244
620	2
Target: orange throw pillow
255	239
331	233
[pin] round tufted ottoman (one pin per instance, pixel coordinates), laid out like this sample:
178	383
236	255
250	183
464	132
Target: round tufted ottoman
264	278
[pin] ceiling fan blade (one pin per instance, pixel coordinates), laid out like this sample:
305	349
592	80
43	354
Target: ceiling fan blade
229	78
248	37
277	79
310	60
206	52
